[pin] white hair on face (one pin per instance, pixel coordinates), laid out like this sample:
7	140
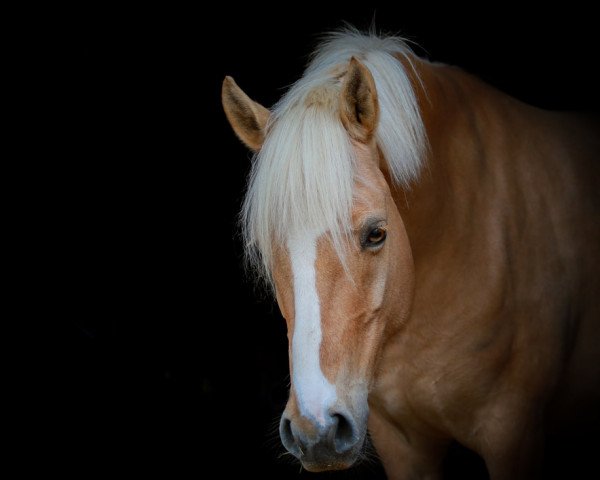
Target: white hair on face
303	176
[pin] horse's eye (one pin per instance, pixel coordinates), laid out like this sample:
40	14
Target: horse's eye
376	237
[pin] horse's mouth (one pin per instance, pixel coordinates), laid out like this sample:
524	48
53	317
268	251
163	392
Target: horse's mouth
322	465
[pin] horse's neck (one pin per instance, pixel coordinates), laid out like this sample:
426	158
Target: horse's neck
463	120
484	190
446	211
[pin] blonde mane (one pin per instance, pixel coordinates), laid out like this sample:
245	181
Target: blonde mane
302	178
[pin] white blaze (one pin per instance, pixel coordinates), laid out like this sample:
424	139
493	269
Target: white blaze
315	395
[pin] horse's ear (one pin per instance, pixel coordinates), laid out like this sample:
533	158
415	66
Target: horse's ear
247	118
359	107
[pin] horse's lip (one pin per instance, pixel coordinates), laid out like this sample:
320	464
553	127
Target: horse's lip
342	463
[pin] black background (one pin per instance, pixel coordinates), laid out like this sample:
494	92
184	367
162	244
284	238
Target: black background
170	361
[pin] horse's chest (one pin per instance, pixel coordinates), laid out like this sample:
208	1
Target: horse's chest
437	391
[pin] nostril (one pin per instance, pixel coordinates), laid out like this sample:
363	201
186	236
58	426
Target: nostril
287	437
344	438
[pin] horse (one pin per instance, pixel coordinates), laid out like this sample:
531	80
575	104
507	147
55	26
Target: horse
432	244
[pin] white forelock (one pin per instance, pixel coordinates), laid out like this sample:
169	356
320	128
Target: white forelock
302	178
